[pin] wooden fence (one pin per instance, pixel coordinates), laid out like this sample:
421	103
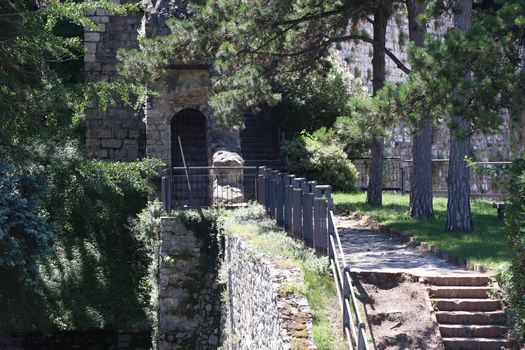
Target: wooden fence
305	210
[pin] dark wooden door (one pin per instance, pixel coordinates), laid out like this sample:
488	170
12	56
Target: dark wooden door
190	126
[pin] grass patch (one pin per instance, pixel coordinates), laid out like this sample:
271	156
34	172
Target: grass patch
318	287
485	245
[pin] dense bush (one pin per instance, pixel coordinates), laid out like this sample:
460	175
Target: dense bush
319	100
325	163
95	272
513	278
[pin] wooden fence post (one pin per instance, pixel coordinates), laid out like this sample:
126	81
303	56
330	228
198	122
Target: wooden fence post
320	220
288	200
271	193
261	196
267	174
308	210
297	220
279	212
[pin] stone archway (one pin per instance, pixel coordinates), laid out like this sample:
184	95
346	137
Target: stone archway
190	125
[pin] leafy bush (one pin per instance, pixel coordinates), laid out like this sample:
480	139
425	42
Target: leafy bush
25	234
321	98
325	163
96	274
513	278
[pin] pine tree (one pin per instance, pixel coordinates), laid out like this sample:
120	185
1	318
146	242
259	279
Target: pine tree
254	47
421	177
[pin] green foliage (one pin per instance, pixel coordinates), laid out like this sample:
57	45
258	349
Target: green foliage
484	245
207	226
319	100
513	279
39	100
25	234
146	229
473	74
325	163
318	286
96	275
252	47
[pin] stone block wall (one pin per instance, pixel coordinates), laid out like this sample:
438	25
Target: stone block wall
189	295
358	55
259	314
119	132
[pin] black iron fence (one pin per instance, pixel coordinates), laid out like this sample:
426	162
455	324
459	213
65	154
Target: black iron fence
305	210
397	172
195	187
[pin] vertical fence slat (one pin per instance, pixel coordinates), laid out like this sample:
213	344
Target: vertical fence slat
279	211
320	227
288	204
308	209
297	212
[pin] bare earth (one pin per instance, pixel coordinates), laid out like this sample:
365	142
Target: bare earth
398	315
387	270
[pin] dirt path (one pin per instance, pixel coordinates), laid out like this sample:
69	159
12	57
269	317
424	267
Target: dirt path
388	271
369	250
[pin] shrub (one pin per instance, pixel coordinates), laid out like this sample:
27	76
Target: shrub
325	163
95	271
513	278
319	100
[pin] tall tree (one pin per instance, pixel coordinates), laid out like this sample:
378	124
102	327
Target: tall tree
459	216
254	48
421	177
374	194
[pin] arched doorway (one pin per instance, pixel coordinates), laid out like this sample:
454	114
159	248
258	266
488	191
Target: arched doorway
190	126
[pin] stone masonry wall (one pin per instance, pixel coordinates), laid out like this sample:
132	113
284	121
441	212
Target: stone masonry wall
358	55
259	314
189	295
118	133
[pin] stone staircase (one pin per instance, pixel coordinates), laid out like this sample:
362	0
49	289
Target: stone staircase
468	318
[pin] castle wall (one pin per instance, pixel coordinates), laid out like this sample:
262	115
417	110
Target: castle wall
358	55
117	133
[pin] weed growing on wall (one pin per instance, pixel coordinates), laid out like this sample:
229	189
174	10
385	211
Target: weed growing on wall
255	228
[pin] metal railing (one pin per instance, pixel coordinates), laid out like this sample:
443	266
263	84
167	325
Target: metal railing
305	210
397	173
200	186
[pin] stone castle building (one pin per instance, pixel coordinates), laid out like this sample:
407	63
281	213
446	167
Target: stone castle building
181	110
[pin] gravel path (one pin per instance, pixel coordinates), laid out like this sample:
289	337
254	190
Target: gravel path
369	250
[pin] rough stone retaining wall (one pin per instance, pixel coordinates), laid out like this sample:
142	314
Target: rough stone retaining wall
259	314
189	295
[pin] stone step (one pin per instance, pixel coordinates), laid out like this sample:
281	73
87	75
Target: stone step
471	280
473	331
459	292
443	304
469	317
458	343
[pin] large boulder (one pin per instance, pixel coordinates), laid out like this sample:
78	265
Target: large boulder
227	183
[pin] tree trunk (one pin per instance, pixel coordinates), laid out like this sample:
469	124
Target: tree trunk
459	217
375	181
421	177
